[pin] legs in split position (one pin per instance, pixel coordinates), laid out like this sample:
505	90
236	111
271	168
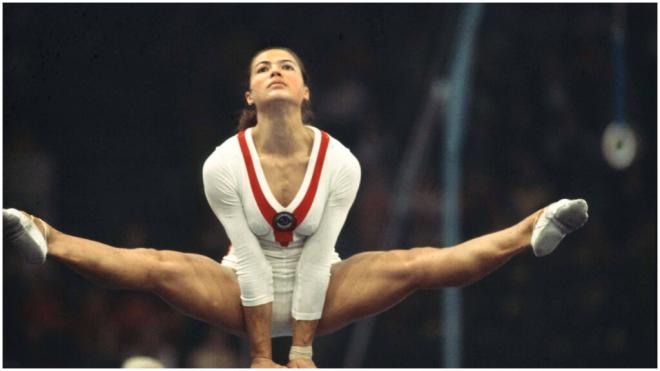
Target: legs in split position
361	286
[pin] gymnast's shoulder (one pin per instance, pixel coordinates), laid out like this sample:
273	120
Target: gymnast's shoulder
342	160
225	157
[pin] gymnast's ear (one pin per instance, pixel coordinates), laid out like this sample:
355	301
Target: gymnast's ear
307	95
248	98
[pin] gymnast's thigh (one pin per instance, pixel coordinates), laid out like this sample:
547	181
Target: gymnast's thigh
364	285
202	288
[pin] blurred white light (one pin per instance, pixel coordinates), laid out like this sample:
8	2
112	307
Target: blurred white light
142	362
619	145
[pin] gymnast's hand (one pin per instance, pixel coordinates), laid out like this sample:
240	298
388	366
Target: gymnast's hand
301	363
263	362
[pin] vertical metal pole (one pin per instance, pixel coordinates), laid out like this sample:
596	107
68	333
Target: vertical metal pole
451	175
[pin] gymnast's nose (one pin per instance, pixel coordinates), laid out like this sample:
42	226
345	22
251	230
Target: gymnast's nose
275	71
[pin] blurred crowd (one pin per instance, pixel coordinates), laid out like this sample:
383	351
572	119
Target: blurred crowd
110	111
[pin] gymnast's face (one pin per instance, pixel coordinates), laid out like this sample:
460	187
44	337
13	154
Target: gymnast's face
276	76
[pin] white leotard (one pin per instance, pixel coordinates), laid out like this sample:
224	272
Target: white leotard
256	254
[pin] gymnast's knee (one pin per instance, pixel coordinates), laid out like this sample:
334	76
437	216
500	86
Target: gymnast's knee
162	267
405	267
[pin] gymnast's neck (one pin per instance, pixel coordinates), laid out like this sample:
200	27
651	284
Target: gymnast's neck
280	131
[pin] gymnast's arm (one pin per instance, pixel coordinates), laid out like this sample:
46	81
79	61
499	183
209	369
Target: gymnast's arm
313	271
254	272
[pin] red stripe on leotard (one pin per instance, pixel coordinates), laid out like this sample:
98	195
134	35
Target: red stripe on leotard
302	209
266	210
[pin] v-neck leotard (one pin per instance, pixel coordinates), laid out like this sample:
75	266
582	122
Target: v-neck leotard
257	224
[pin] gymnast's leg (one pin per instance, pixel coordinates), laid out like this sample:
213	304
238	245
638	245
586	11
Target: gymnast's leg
369	283
193	284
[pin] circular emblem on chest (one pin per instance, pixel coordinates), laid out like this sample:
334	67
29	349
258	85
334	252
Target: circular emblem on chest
284	221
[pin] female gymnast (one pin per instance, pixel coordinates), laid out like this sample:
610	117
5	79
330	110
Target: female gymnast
282	190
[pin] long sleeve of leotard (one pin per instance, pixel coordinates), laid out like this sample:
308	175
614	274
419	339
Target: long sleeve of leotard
254	272
313	270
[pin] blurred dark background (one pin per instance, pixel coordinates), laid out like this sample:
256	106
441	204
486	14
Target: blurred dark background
110	111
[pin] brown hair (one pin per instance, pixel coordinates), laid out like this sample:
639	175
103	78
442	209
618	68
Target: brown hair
248	115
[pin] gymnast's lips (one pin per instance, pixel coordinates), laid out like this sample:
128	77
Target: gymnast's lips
276	82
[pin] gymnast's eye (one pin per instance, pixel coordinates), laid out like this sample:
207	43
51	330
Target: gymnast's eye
262	68
288	67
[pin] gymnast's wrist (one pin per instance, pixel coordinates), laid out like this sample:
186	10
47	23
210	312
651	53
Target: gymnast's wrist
300	352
